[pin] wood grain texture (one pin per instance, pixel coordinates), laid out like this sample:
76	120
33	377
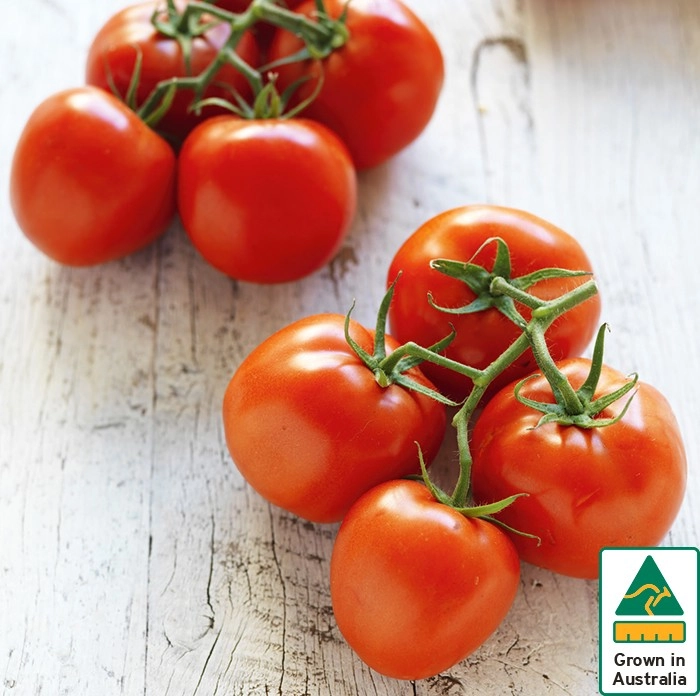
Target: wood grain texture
133	557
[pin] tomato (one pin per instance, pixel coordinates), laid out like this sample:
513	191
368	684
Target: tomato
380	89
129	32
617	485
90	182
311	430
266	201
415	585
482	336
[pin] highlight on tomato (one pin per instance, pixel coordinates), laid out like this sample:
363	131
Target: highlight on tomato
312	421
416	586
266	200
435	294
379	90
618	479
135	44
90	182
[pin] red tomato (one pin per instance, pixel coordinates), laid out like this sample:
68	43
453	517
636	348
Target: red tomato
482	336
380	89
311	430
90	182
116	46
617	485
266	201
415	585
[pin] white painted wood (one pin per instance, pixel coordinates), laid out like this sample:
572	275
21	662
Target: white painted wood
133	557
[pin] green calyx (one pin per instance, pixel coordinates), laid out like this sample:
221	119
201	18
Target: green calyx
577	407
269	103
393	368
480	281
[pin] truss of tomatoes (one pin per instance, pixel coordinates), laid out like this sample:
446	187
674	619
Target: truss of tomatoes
336	422
101	170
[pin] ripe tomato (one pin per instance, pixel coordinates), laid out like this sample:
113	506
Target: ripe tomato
617	485
265	201
311	430
90	182
129	32
381	88
482	336
415	585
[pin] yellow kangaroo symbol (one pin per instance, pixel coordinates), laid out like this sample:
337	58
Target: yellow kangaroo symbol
654	599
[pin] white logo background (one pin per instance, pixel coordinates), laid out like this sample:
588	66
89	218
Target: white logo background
642	668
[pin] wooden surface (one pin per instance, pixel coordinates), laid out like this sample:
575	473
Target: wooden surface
133	557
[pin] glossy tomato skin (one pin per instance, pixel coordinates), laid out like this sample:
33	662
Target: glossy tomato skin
481	337
381	88
115	47
415	585
619	485
266	201
90	182
311	430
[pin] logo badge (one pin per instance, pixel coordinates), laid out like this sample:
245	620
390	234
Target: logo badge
649	621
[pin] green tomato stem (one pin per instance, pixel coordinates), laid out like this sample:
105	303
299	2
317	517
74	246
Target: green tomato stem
321	38
324	32
500	286
563	391
462	418
426	354
239	25
534	337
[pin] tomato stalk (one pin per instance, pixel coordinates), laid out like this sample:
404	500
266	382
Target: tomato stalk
504	293
150	110
321	38
546	313
496	289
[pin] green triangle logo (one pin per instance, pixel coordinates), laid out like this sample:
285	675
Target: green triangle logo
649	594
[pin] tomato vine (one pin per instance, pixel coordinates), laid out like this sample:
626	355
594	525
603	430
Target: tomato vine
495	288
320	37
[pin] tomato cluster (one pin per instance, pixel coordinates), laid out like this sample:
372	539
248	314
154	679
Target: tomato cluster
489	311
246	118
560	455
